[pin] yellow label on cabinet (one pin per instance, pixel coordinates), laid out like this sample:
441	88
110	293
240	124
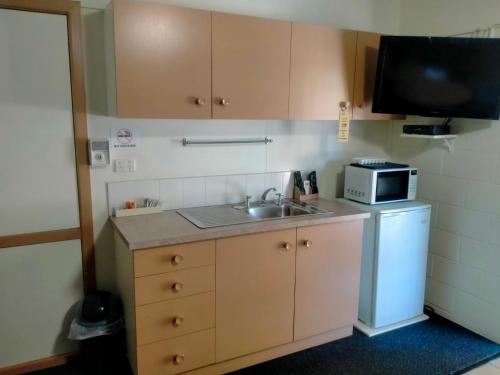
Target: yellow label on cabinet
343	136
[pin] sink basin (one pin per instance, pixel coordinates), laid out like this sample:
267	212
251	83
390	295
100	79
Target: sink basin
218	216
273	212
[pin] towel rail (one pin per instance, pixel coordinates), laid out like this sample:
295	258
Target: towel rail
188	142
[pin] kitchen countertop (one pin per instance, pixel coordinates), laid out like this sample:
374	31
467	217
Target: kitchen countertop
170	228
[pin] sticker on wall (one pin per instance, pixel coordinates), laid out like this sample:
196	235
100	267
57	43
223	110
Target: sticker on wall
343	136
123	138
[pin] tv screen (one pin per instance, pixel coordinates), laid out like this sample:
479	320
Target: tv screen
438	77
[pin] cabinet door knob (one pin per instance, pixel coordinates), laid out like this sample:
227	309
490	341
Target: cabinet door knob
177	287
308	243
224	102
177	321
200	102
178	359
177	259
287	246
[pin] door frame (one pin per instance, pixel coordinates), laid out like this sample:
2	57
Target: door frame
85	233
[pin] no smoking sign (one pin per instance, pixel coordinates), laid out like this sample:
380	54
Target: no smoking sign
124	138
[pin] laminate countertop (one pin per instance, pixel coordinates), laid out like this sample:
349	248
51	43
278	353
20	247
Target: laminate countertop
170	228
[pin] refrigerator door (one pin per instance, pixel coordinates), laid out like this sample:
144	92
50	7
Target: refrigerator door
401	251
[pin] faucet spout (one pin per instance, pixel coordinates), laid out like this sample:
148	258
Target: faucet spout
264	195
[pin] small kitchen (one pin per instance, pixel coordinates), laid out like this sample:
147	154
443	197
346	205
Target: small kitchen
234	187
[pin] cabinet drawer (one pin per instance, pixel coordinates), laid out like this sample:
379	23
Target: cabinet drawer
173	258
177	355
171	285
163	320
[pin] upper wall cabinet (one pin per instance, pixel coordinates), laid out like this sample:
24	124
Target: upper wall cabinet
251	67
163	61
366	69
322	71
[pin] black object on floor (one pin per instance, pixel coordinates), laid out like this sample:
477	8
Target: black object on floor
434	347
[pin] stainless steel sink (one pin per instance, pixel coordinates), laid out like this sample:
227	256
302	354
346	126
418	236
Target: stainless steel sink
217	216
275	212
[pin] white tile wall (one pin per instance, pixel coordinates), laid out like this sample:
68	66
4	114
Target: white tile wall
236	188
193	191
215	190
463	186
463	221
440	294
198	191
456	274
171	193
444	243
441	188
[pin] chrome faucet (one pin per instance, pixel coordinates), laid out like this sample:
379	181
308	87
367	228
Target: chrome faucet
247	201
279	199
264	194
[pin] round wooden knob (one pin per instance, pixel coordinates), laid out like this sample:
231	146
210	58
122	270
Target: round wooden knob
200	102
177	321
224	102
177	259
308	243
177	287
178	359
287	246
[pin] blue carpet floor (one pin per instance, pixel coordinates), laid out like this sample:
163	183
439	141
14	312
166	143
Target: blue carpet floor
433	347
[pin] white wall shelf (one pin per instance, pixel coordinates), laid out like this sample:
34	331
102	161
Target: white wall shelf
448	139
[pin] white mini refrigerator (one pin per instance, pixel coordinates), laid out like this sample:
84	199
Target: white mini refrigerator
393	264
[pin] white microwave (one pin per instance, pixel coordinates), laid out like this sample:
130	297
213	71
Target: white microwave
380	183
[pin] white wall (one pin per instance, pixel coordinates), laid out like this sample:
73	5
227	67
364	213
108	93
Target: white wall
464	186
371	15
298	145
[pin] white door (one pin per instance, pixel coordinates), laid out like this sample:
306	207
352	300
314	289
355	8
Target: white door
401	253
41	282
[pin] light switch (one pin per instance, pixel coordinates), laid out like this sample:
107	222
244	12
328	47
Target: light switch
125	165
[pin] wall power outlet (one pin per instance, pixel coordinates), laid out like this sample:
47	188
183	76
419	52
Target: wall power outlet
125	165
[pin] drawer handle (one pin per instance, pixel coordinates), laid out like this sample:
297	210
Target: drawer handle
308	243
177	287
177	259
287	246
177	321
200	102
178	359
224	102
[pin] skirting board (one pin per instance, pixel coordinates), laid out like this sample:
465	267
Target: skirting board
368	331
39	364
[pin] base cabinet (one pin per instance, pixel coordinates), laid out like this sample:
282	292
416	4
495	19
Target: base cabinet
211	307
255	292
327	280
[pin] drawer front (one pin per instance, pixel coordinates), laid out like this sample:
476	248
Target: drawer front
171	285
173	258
163	320
177	355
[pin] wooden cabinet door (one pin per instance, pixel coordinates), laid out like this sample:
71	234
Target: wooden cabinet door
364	82
328	271
255	292
163	61
322	71
251	67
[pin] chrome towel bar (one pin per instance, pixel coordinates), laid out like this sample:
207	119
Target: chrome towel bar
188	142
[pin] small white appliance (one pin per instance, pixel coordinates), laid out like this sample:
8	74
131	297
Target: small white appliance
98	152
376	183
393	265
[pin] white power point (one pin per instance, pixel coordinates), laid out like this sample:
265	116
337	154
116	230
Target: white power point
125	165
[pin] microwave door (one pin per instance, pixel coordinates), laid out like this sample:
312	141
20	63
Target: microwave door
391	186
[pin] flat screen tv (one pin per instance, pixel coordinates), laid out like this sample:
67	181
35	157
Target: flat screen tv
438	77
